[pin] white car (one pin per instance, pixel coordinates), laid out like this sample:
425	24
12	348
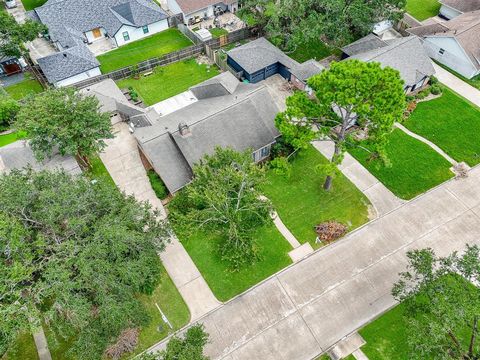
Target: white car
11	4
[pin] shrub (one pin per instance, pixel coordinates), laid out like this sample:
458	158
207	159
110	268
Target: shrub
433	80
8	111
281	149
157	185
133	94
423	94
281	166
127	341
435	89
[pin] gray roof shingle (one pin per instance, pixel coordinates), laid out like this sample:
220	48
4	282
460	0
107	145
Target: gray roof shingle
307	69
258	54
462	5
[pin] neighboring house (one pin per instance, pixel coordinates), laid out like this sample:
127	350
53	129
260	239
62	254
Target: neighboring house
452	8
260	59
454	43
302	72
19	155
228	113
191	9
74	24
406	55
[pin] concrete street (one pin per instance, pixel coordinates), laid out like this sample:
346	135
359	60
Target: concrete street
305	309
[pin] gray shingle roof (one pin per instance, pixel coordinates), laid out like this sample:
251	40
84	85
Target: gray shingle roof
68	20
68	63
367	43
307	69
406	55
258	54
18	155
220	85
243	119
191	6
462	5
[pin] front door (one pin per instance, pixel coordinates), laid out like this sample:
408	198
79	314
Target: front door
97	33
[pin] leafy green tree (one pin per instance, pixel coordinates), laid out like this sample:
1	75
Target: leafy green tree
350	97
74	255
66	120
13	34
9	108
224	198
442	302
190	347
338	22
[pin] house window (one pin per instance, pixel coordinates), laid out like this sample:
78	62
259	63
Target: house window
145	29
126	36
441	51
264	152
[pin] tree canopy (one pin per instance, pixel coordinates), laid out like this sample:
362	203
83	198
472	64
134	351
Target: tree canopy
9	108
350	97
74	255
13	35
442	301
224	198
297	22
65	120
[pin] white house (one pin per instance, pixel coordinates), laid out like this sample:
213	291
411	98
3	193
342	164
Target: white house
454	43
191	9
452	8
74	24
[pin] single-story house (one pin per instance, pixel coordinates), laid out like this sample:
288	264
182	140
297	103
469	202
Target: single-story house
452	8
302	72
406	55
19	155
454	43
191	9
78	23
260	59
228	113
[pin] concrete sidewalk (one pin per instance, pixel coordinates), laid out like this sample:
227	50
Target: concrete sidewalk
382	199
305	309
122	160
458	85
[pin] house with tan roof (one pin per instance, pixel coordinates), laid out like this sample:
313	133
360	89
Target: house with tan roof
200	9
454	43
452	8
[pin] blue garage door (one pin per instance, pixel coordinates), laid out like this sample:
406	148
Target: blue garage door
284	72
271	70
258	76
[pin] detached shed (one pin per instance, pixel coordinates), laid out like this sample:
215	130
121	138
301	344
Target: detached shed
260	59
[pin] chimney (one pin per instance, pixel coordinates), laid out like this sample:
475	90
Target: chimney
184	129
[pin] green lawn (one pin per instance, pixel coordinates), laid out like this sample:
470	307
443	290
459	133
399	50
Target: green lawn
10	138
225	284
313	50
24	88
32	4
423	9
153	46
414	166
98	171
452	123
23	349
217	32
302	203
170	80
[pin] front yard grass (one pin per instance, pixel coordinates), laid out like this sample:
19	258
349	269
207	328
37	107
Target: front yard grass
414	166
225	284
32	4
452	123
156	45
423	9
170	80
302	203
24	88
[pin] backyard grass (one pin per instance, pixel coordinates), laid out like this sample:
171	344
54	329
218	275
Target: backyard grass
24	88
302	203
24	348
423	9
452	123
10	138
32	4
414	166
153	46
98	171
217	32
170	80
225	284
312	50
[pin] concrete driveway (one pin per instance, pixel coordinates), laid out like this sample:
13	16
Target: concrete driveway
305	309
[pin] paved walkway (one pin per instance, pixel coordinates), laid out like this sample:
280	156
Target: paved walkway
428	142
457	85
18	12
305	309
42	345
122	160
382	199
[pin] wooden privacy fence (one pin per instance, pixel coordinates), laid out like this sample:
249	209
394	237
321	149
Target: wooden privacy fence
186	53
